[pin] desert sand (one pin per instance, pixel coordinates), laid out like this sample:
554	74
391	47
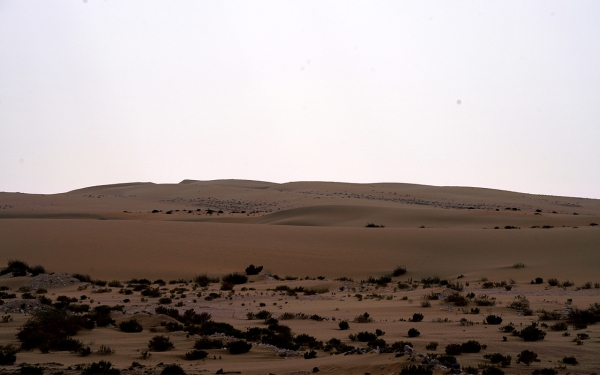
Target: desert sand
315	235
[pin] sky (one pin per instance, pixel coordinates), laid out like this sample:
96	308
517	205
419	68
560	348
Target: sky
501	95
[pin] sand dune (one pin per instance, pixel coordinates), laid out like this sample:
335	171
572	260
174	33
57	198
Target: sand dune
299	229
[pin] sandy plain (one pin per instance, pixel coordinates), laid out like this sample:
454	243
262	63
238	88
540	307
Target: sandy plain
314	231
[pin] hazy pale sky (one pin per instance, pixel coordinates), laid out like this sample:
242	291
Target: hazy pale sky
501	94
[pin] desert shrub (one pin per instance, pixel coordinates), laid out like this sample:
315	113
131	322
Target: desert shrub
382	280
235	278
560	326
432	345
363	318
343	325
165	301
203	280
504	360
173	369
263	314
31	370
238	347
453	349
102	367
308	341
470	370
208	343
484	300
582	318
310	355
399	345
446	360
527	357
373	225
492	370
101	316
413	332
570	360
115	284
567	283
130	325
417	317
160	343
16	267
151	292
8	355
544	371
493	319
399	271
532	333
196	355
82	278
553	282
471	346
211	327
415	370
519	303
105	350
457	299
377	343
251	270
365	336
173	327
48	329
550	315
507	328
431	280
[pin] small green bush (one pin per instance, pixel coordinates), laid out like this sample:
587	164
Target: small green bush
343	325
